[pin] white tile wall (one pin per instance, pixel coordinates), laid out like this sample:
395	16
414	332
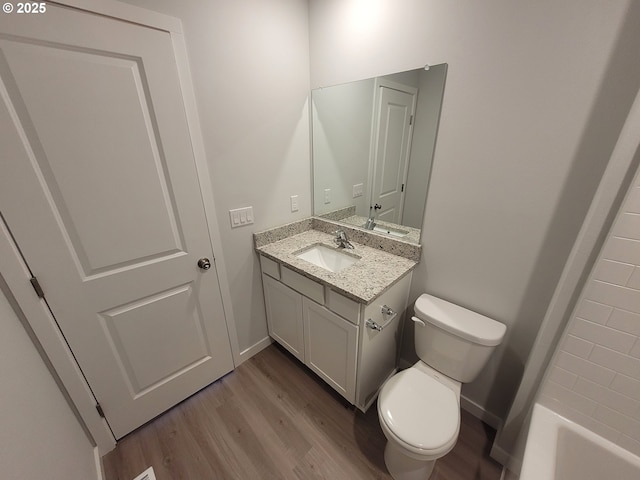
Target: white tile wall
595	375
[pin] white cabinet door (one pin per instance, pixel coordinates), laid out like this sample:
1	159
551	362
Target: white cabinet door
99	187
284	315
330	346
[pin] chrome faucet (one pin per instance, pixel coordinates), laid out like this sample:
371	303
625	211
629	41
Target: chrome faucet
371	221
341	240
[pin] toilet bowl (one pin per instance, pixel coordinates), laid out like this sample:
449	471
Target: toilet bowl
419	408
419	412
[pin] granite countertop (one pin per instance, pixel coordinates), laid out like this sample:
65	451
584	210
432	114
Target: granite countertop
413	234
363	281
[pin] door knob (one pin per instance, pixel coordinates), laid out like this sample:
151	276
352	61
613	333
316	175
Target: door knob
204	264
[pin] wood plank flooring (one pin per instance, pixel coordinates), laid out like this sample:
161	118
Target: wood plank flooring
272	418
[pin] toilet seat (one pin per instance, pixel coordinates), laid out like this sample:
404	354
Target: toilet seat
421	413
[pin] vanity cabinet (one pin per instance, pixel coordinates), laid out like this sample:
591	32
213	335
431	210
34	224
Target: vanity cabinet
333	334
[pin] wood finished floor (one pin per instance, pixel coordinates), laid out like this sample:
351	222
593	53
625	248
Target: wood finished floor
271	418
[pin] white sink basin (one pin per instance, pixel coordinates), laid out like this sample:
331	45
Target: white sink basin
328	258
389	231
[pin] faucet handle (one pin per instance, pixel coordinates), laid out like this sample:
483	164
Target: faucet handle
342	240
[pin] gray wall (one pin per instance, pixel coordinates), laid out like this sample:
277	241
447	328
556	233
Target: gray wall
535	98
40	436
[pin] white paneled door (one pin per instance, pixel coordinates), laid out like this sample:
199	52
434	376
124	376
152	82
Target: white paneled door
392	149
99	187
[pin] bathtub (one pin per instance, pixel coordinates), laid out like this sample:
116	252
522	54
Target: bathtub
559	449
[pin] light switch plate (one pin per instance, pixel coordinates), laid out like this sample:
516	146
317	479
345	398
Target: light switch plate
327	195
294	203
358	189
241	216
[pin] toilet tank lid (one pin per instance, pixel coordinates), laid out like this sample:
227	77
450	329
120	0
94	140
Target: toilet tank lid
458	320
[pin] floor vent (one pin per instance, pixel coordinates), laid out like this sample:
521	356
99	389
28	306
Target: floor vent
146	475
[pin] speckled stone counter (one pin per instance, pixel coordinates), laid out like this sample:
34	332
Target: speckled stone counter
337	215
413	234
363	281
385	243
348	216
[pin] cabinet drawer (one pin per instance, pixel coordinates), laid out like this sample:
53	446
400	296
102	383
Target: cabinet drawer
270	267
343	306
304	285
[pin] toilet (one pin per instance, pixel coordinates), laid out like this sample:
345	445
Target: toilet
419	408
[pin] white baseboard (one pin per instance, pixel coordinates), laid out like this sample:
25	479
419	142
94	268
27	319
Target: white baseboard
511	464
508	475
98	460
500	455
247	353
479	412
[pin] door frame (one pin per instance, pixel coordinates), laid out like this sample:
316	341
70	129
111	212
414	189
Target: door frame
16	274
375	120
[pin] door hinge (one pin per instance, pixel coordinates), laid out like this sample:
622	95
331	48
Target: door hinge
402	189
99	409
37	287
411	120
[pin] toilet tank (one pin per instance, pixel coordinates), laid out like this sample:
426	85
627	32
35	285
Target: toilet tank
455	341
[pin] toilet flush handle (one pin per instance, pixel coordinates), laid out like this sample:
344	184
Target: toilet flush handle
418	321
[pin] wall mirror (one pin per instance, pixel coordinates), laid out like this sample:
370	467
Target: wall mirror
373	143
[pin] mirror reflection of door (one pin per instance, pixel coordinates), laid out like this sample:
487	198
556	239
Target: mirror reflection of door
344	136
393	127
